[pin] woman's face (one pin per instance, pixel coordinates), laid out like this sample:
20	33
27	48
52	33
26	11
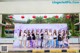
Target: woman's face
46	30
59	32
41	30
50	30
24	31
54	31
37	30
28	30
20	30
63	31
67	32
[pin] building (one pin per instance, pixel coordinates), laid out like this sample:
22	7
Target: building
35	6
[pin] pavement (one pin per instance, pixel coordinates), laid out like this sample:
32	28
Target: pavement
11	48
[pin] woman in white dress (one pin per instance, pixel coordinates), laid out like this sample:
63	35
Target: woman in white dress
54	38
21	38
37	38
25	38
45	38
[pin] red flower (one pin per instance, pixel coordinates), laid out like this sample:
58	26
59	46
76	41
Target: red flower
67	16
33	16
22	17
45	16
10	16
56	16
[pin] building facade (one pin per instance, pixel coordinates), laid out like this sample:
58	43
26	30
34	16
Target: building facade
36	6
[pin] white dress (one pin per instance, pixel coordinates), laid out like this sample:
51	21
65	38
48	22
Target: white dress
21	37
25	36
50	35
45	36
37	36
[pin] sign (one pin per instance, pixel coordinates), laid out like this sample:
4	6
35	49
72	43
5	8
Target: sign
66	2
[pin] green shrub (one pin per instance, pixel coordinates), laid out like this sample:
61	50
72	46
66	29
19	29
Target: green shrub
76	33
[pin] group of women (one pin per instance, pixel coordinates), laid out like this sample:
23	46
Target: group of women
47	38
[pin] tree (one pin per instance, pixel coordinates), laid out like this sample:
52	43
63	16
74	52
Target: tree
39	20
73	17
29	21
71	21
4	20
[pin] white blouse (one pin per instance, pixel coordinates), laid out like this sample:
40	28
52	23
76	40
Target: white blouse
49	33
25	36
21	37
54	36
50	37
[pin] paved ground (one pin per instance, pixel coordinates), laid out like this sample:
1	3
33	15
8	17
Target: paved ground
10	47
23	50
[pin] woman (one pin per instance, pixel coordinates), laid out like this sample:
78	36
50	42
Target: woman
42	36
54	38
25	38
63	37
45	38
21	37
37	38
60	39
66	42
28	38
33	38
50	39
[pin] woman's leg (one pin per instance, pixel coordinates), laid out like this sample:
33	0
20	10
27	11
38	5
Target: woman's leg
31	43
37	43
28	43
34	41
24	43
46	43
59	44
63	45
51	43
54	43
20	43
41	42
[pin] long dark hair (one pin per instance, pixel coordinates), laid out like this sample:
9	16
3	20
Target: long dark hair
67	32
28	32
41	30
20	32
46	30
63	32
37	31
59	32
25	32
54	32
32	31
